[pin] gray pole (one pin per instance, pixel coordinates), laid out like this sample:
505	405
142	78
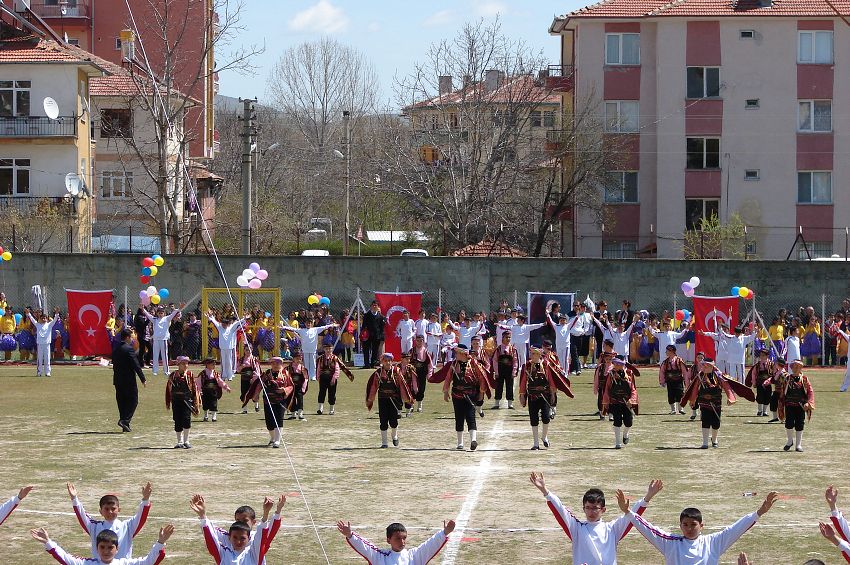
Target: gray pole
247	123
346	117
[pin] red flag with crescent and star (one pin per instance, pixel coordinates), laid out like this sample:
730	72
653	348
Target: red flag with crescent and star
707	311
392	305
88	311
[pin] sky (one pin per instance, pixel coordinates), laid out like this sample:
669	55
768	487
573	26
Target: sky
392	34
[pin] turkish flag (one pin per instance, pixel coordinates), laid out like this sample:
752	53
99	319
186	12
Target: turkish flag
707	310
88	311
392	305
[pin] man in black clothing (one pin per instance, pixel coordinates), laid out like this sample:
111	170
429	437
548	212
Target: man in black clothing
125	367
625	315
373	323
140	322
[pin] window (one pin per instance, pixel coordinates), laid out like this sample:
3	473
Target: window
118	44
814	116
747	34
73	41
816	249
622	116
751	248
453	121
814	187
751	174
619	250
622	188
116	184
14	177
622	49
435	121
15	98
536	119
703	153
116	123
697	209
703	82
815	47
753	103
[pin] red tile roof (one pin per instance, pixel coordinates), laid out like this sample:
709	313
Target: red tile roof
32	49
514	91
489	248
706	8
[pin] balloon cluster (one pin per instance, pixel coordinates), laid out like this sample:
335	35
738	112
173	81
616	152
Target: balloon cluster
252	277
683	315
743	292
689	286
150	267
151	295
5	255
314	299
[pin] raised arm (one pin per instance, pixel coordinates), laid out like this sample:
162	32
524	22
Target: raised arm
425	552
362	546
157	553
656	536
82	516
836	516
34	322
55	551
11	504
563	515
137	522
621	526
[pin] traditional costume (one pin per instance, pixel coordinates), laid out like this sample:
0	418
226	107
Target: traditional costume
466	382
671	374
278	387
388	386
796	401
328	367
620	399
184	399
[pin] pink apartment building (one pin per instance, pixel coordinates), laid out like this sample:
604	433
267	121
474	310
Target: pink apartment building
726	107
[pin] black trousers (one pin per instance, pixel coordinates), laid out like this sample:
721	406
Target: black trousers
325	387
774	401
508	384
622	415
599	397
421	381
538	409
145	352
244	386
575	365
388	412
274	414
710	417
464	413
209	400
795	417
127	399
181	411
371	350
763	395
299	400
675	390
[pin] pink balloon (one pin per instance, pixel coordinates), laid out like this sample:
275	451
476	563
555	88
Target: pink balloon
146	300
255	284
262	274
689	293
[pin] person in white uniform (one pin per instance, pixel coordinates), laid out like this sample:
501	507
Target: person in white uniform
228	331
433	334
736	352
667	336
521	335
405	330
620	336
563	331
43	339
161	333
398	553
309	336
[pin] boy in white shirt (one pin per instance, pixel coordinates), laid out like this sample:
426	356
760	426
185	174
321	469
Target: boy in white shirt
43	339
692	547
736	352
836	516
792	346
405	330
594	541
434	333
521	335
397	554
421	324
161	332
107	548
228	332
240	545
7	507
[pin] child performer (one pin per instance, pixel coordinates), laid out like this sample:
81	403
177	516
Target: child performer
671	374
844	385
298	374
398	553
706	391
796	400
777	381
211	385
434	334
9	506
692	546
466	384
161	332
388	386
107	548
736	352
26	337
309	337
408	373
760	372
183	398
505	367
666	336
243	514
690	376
276	387
249	370
594	541
422	361
242	547
563	332
228	331
328	367
109	509
829	533
521	335
792	345
8	343
619	399
836	516
405	330
537	391
44	337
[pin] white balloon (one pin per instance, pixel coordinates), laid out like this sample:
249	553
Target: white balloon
694	282
242	281
151	290
248	274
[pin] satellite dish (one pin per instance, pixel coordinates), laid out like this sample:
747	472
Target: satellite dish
64	11
66	35
51	108
72	183
86	107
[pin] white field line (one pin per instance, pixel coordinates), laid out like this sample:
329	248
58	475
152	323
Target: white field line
471	501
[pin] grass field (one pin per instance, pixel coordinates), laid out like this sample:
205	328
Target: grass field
64	429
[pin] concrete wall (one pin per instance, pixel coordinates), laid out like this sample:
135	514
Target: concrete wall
471	283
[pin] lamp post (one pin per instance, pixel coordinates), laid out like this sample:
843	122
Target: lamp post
346	120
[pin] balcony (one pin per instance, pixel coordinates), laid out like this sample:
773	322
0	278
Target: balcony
36	205
558	78
556	140
54	9
37	126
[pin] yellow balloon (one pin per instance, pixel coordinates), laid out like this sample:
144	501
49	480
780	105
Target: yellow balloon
155	299
312	299
159	261
7	256
743	292
154	270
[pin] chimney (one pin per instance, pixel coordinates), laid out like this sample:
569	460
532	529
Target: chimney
446	86
128	45
492	80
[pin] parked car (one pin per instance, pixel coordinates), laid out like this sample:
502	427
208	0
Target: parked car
413	252
315	253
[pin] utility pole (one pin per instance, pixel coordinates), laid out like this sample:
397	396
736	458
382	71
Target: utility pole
346	120
248	118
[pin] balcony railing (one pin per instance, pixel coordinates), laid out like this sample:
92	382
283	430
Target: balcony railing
556	139
78	9
36	205
559	78
37	126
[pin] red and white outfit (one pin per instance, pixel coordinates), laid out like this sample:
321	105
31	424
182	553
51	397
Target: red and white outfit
253	554
593	542
8	507
126	530
419	555
223	536
154	557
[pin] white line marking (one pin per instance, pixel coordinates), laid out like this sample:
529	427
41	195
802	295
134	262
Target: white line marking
453	545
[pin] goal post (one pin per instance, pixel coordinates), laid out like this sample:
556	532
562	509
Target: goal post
267	299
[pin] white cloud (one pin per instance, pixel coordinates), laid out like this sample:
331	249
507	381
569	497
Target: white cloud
440	18
373	27
490	9
323	17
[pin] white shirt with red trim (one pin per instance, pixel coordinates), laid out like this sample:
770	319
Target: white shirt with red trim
840	524
154	557
845	550
223	536
8	507
420	555
594	543
125	530
253	554
704	550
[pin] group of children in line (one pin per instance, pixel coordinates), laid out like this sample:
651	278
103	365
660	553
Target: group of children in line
247	541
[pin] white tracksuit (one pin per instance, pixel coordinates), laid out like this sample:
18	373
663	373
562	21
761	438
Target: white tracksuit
620	339
467	333
736	352
434	334
159	339
563	334
520	336
227	346
405	330
309	345
43	338
420	555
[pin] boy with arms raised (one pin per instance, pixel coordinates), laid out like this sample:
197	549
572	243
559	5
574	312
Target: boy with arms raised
239	545
594	541
7	507
692	546
397	554
106	549
109	509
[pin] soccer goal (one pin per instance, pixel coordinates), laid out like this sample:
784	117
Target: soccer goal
246	300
